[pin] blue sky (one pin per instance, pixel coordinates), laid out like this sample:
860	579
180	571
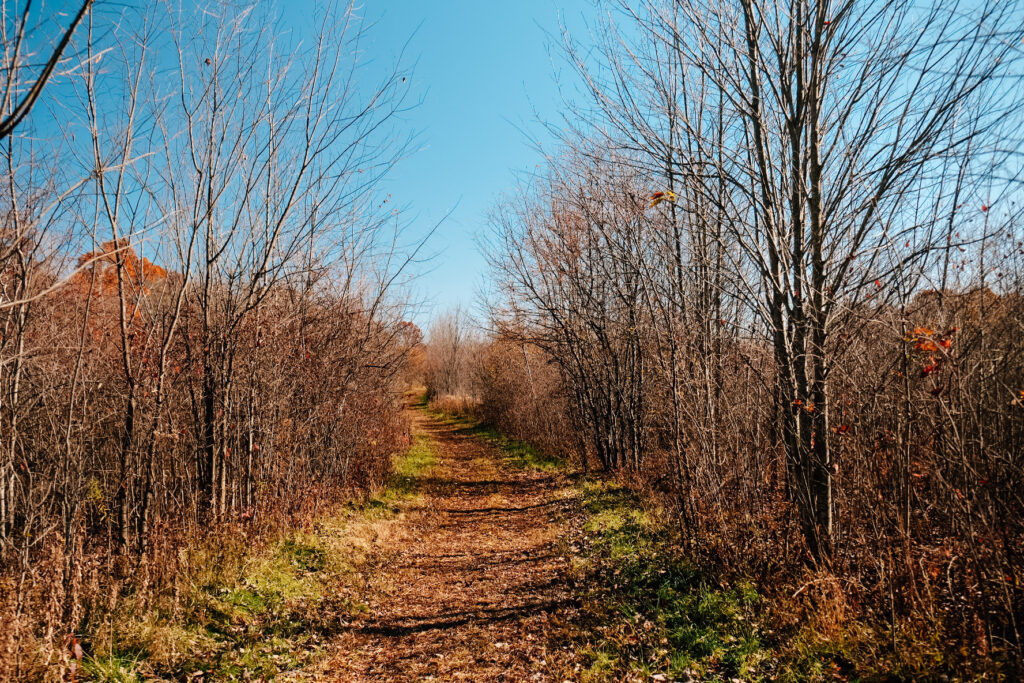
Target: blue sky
485	74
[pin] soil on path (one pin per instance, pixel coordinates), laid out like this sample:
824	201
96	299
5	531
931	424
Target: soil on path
475	588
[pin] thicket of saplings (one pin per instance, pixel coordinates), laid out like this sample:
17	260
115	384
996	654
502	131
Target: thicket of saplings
926	431
926	476
200	342
777	273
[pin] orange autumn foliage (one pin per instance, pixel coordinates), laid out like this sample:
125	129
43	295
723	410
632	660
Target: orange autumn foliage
139	273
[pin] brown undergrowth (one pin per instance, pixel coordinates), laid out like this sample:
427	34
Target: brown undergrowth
248	603
485	560
651	603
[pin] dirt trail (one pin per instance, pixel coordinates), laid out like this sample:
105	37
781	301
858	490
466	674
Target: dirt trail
477	587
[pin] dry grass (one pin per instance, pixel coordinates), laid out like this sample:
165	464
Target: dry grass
244	601
455	404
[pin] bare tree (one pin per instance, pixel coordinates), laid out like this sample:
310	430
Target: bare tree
268	176
798	218
203	302
16	50
826	140
450	346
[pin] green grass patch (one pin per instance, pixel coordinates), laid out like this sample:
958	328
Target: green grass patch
517	453
255	613
114	668
411	467
407	471
648	611
274	617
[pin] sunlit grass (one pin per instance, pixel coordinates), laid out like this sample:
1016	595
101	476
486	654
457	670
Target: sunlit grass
254	614
410	467
517	453
647	610
113	668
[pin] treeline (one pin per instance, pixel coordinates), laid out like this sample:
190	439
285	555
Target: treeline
200	304
776	273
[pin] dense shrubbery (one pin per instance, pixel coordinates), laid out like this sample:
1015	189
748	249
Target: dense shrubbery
309	412
927	553
229	352
800	325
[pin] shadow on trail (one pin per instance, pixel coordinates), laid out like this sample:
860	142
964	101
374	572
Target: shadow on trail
473	564
475	585
448	620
